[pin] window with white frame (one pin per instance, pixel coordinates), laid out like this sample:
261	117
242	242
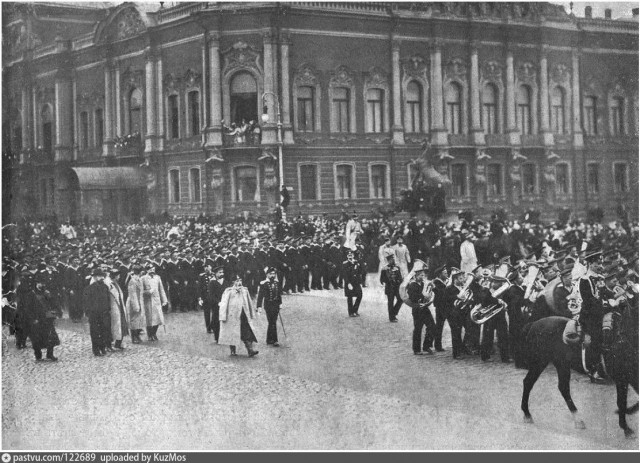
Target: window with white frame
193	106
174	186
620	177
617	116
494	180
378	181
195	194
453	100
135	111
591	115
98	122
344	181
173	117
593	178
306	98
308	182
341	109
490	108
523	113
557	110
529	179
84	130
413	108
246	183
459	180
563	185
375	108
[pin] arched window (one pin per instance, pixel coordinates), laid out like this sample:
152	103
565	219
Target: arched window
84	130
244	98
591	115
98	122
246	183
306	116
46	117
135	111
413	108
617	116
557	110
453	99
490	108
173	117
341	109
375	108
524	110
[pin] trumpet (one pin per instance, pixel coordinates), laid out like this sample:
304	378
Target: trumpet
480	314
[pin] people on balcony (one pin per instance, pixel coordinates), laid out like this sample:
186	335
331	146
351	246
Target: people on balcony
242	133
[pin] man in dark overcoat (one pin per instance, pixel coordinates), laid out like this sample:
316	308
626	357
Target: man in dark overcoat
351	275
98	308
270	296
41	314
391	278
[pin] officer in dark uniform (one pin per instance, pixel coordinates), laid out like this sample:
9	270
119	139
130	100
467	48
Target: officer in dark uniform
514	297
270	296
440	275
212	285
351	275
420	309
391	278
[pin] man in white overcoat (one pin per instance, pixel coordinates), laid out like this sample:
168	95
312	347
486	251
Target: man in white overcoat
351	232
135	305
403	259
468	258
239	321
119	316
154	299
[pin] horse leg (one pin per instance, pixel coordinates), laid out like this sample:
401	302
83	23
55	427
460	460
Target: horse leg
564	385
621	389
535	370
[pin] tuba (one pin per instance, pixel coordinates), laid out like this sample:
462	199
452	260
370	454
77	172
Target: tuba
529	280
461	304
480	314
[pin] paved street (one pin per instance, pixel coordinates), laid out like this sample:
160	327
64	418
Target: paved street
336	383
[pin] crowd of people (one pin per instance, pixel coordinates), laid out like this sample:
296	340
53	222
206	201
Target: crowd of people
484	279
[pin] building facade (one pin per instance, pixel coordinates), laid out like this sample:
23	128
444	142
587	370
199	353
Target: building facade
116	111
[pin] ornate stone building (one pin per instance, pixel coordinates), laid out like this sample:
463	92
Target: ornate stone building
120	111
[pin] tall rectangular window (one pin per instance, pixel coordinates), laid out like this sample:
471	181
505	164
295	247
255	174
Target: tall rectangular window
529	179
620	178
453	98
246	183
459	180
99	123
557	110
194	112
305	109
591	115
174	186
413	108
593	178
340	109
375	110
489	105
84	130
524	110
494	180
617	116
308	182
562	179
379	181
174	117
343	182
194	185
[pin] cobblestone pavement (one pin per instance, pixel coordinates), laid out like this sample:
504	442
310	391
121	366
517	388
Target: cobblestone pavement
336	383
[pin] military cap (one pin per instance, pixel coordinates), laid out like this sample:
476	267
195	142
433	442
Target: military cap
438	270
98	272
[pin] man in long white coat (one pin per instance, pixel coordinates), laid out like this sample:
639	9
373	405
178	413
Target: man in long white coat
351	232
239	321
403	259
154	299
135	305
468	258
119	316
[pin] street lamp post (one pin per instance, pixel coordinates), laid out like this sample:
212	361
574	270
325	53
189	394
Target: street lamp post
265	119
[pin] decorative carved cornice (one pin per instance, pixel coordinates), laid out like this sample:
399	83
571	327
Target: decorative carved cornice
192	78
526	72
306	75
127	24
376	77
342	77
456	68
591	86
560	73
415	66
492	70
241	55
171	83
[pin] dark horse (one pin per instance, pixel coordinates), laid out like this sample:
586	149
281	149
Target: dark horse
545	344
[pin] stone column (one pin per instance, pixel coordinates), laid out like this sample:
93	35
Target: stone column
438	130
34	119
205	91
64	116
477	133
544	98
25	115
510	97
76	129
578	141
108	144
118	101
159	104
269	130
150	103
214	130
398	132
286	91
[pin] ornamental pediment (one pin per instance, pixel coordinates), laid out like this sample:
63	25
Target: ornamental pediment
415	66
241	55
342	77
306	75
376	77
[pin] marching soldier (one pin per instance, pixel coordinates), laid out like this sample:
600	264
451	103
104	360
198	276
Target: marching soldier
352	287
421	298
270	295
440	275
391	278
489	294
456	292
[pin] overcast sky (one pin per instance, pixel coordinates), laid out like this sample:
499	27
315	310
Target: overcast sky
618	9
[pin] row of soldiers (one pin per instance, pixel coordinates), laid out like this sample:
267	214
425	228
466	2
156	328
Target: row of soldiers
504	299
